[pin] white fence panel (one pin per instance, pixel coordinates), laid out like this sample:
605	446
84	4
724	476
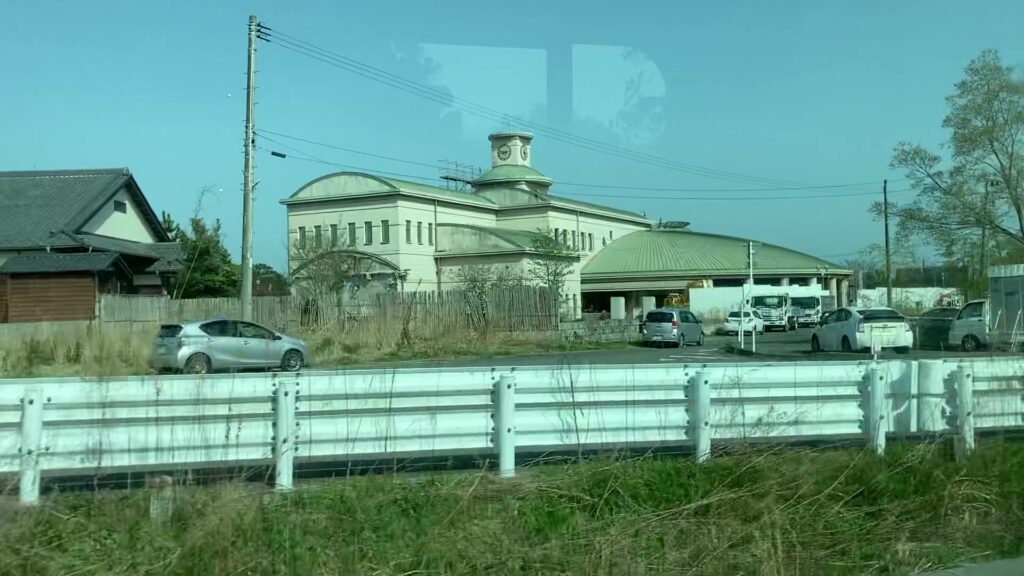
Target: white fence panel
93	426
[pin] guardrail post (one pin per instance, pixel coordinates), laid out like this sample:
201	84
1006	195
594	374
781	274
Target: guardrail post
874	412
931	396
964	411
284	443
700	414
31	440
504	424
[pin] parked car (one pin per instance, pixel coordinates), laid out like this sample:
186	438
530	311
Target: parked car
969	331
216	345
752	322
857	329
931	329
672	325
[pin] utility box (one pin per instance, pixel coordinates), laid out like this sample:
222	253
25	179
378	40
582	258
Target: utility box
1006	305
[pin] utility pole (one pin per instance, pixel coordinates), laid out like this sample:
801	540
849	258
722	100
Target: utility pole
888	254
245	297
753	330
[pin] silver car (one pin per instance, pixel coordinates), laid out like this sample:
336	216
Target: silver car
672	326
214	345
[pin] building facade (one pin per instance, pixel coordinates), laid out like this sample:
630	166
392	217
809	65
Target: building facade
413	237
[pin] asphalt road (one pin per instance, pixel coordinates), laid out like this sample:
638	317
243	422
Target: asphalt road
771	347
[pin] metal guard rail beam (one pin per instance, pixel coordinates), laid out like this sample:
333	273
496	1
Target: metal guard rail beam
56	427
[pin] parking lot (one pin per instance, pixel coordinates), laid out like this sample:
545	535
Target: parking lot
771	347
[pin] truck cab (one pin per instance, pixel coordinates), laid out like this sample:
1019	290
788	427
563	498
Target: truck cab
776	310
969	331
807	310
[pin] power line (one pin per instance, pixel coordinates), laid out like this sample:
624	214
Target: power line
315	52
310	158
592	185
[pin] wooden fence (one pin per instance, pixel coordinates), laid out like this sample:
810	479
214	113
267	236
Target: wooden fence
519	309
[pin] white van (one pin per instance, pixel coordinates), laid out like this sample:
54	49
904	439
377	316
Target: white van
969	331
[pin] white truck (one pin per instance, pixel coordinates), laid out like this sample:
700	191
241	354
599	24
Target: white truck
776	309
807	310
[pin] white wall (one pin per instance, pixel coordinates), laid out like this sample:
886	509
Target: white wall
907	298
129	225
718	302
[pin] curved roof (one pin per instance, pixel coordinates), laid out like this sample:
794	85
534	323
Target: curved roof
352	184
680	252
470	238
511	173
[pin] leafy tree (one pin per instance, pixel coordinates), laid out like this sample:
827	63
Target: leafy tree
209	271
972	207
269	282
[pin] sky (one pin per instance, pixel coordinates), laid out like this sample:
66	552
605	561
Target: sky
719	103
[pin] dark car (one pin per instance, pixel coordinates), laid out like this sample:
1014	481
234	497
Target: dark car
931	329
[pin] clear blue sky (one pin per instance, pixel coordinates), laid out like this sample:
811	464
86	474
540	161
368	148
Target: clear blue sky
810	92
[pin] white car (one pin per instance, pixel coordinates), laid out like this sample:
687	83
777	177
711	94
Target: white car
752	322
861	329
969	331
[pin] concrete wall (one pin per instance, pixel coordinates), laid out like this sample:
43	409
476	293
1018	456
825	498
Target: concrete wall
907	298
127	225
600	331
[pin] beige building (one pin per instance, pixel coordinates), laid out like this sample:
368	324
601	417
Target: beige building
419	235
412	236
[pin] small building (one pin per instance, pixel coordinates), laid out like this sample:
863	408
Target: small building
68	236
414	236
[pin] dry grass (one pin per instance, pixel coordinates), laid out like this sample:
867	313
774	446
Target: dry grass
763	512
106	350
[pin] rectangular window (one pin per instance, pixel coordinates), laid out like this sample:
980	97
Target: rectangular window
408	231
302	237
334	235
385	232
351	233
430	233
590	240
419	232
318	237
120	206
611	235
556	234
565	237
367	233
574	245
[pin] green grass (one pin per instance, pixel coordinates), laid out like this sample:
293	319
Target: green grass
760	512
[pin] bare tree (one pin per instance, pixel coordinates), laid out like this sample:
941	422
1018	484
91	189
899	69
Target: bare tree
478	284
551	264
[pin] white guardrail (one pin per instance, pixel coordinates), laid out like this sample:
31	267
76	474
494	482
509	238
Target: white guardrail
60	427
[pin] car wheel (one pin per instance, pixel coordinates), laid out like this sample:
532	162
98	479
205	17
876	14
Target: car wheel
903	350
292	361
197	364
815	344
970	343
700	339
846	345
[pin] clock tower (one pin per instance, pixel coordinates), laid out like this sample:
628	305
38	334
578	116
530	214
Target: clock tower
510	149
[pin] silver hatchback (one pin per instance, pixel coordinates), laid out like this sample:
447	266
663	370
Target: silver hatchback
215	345
674	326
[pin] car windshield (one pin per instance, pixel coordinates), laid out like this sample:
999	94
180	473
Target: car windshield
767	301
806	302
659	317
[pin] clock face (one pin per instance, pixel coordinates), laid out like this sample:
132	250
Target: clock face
504	152
524	152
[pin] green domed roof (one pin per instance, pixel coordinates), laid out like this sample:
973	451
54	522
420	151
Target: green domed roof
511	173
664	252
